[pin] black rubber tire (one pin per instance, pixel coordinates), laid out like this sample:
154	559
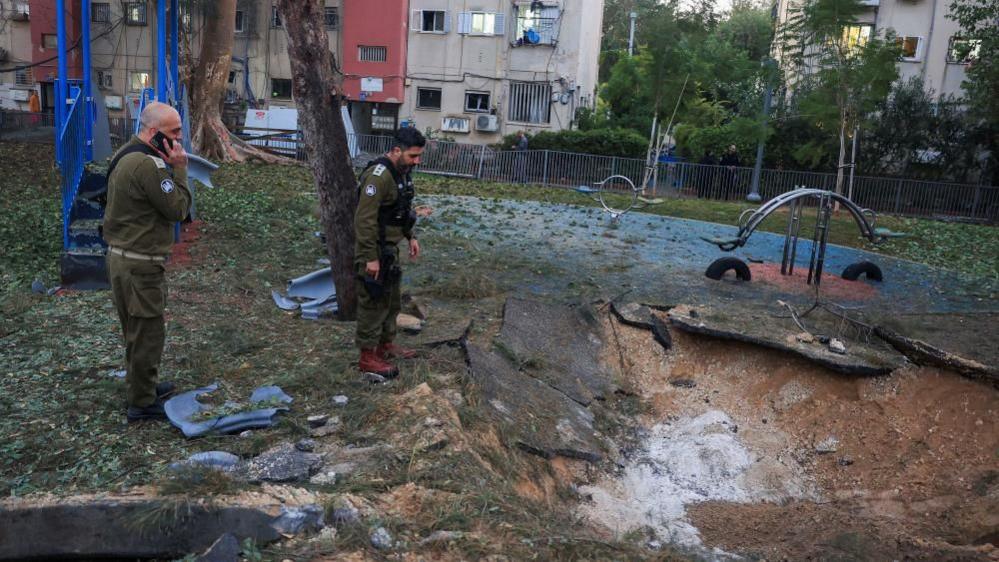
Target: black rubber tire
868	269
721	266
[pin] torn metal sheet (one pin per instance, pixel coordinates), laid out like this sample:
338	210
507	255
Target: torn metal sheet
314	294
200	169
183	409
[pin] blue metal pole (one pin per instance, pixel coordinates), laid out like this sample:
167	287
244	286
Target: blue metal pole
88	99
60	90
161	51
175	50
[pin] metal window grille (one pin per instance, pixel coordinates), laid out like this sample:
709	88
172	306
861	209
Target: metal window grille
23	77
100	12
963	50
331	17
428	98
372	54
530	102
135	13
537	27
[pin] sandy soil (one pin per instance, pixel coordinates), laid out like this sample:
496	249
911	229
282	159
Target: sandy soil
898	467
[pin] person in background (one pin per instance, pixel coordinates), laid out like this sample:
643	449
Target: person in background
731	161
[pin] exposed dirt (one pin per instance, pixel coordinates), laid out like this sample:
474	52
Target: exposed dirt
910	468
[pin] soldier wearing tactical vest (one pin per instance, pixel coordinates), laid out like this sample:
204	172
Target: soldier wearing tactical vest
147	194
384	218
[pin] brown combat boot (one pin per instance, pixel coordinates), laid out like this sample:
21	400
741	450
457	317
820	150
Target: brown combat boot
392	351
370	362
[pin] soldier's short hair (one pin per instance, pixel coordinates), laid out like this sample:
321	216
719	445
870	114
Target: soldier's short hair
408	137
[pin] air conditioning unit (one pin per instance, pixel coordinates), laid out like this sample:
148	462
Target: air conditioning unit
486	123
20	16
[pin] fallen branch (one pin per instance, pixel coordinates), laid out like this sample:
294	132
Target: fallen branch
923	353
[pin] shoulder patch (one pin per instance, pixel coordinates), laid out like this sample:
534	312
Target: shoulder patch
159	162
370	191
167	185
379	170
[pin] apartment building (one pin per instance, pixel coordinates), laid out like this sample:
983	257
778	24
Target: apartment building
479	69
932	46
470	69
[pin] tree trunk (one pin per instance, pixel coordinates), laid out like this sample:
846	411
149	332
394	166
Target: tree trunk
207	84
316	87
842	152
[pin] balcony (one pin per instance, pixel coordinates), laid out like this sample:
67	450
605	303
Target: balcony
535	31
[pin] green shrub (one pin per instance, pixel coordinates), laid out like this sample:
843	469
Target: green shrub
606	142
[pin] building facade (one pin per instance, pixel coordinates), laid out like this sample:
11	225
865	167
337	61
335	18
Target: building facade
932	46
468	69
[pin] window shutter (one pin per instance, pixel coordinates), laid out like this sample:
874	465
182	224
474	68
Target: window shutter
416	24
499	28
447	22
465	22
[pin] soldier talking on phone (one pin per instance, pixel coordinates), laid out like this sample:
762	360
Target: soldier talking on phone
147	193
384	217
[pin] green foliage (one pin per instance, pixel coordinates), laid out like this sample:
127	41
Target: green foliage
605	142
977	19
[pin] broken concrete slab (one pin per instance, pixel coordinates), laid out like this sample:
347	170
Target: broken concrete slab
545	421
439	332
761	328
559	345
225	549
283	463
112	528
409	323
661	333
633	314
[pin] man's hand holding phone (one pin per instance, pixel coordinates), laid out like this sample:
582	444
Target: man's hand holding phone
173	153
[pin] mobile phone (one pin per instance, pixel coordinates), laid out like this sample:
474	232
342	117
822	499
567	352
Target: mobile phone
162	142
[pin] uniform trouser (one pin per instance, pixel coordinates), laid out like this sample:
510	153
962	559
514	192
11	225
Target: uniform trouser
376	317
139	292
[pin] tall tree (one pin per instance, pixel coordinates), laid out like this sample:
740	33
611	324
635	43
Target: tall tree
979	21
844	74
316	85
207	82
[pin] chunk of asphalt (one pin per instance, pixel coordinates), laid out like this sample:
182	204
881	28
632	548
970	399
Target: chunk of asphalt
633	314
558	345
283	463
225	549
543	420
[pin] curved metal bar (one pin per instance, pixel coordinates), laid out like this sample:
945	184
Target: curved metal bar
748	226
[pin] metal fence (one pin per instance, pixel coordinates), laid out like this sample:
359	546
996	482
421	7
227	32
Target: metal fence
899	196
71	150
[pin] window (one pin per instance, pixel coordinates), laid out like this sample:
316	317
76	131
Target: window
104	80
138	81
331	17
855	36
232	77
530	102
481	23
240	21
22	10
276	18
23	77
477	102
135	13
537	25
428	98
432	21
281	88
372	54
50	41
100	12
963	50
911	48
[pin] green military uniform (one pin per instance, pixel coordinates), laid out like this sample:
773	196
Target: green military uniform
380	188
144	200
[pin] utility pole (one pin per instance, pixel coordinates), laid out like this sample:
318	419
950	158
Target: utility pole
754	191
631	34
